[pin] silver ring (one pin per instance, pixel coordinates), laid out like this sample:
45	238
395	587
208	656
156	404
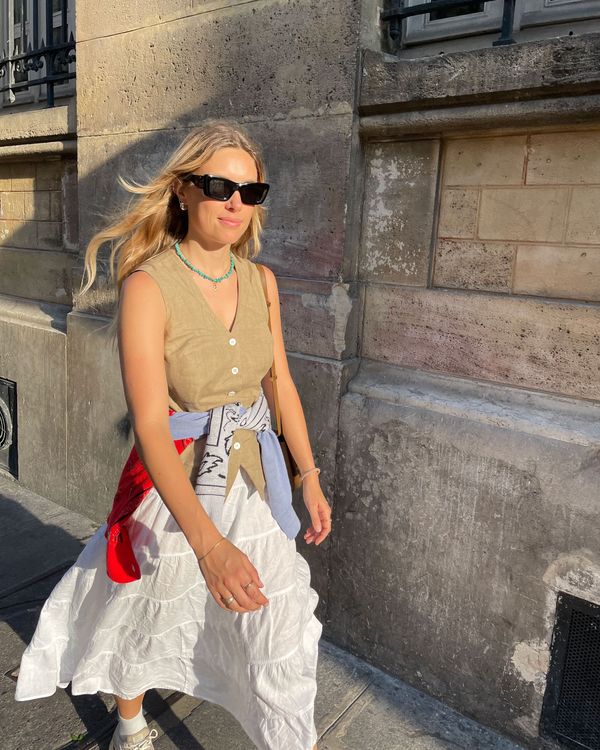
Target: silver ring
229	600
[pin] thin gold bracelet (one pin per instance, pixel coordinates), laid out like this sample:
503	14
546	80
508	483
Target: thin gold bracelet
222	539
314	468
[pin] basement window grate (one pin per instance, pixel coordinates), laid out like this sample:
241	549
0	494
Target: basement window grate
571	707
8	427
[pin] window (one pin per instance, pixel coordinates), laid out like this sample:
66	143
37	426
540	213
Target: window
453	22
24	25
536	12
485	17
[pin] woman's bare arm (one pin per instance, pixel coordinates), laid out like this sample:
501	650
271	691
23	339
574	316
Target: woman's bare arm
141	328
293	424
292	415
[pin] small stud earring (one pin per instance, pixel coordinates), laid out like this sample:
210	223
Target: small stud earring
182	205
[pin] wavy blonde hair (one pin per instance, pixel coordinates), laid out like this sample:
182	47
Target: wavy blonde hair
156	220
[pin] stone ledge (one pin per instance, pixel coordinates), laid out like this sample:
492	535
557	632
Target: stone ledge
556	417
21	311
37	150
563	66
496	117
19	125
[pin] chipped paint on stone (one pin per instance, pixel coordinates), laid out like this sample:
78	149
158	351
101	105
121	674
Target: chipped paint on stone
394	237
531	660
576	573
339	305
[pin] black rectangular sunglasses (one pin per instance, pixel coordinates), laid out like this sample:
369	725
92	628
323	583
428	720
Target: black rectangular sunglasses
221	189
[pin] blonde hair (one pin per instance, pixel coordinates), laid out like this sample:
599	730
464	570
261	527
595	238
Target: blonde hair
156	220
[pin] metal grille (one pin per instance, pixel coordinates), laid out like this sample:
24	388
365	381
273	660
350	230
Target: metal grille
458	10
29	62
571	710
396	11
8	426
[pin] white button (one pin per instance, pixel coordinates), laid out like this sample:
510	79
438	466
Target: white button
231	393
236	445
234	370
232	341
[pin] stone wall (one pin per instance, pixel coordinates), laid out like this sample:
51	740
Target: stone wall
467	464
38	242
38	225
518	214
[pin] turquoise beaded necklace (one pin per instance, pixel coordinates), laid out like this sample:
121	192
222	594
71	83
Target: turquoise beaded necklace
204	275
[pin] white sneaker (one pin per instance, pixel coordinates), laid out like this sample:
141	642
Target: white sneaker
141	740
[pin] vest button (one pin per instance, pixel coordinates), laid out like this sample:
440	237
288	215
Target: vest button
234	370
232	342
231	393
236	445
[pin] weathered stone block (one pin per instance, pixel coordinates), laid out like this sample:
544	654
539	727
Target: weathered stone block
572	272
12	206
563	158
526	214
23	176
530	69
55	207
584	217
38	275
39	125
5	177
550	346
464	264
397	222
113	17
18	233
49	234
458	213
197	66
495	160
319	318
48	174
36	205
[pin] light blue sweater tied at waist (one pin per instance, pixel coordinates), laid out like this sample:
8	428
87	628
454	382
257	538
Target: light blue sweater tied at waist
220	423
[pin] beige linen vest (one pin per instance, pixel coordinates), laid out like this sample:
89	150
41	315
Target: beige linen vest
206	364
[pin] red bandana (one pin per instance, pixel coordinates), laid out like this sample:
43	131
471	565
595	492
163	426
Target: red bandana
121	565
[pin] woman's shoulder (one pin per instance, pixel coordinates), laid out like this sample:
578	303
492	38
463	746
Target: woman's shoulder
255	270
158	261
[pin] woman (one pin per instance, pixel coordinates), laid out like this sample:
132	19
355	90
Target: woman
219	603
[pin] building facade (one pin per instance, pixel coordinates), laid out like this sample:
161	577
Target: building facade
433	224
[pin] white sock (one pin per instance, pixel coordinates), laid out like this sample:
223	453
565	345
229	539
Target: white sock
131	726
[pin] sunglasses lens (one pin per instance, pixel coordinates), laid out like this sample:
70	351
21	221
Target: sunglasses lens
220	189
254	193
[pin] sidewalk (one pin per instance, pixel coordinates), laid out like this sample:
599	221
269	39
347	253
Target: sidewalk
358	707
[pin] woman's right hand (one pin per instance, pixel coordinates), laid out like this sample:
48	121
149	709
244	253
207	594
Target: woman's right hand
227	570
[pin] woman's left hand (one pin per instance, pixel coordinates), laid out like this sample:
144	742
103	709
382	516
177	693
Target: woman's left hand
318	507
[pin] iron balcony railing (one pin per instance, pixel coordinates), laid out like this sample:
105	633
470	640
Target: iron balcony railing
398	11
54	56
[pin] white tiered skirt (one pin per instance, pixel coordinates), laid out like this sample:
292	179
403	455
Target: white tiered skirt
166	630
